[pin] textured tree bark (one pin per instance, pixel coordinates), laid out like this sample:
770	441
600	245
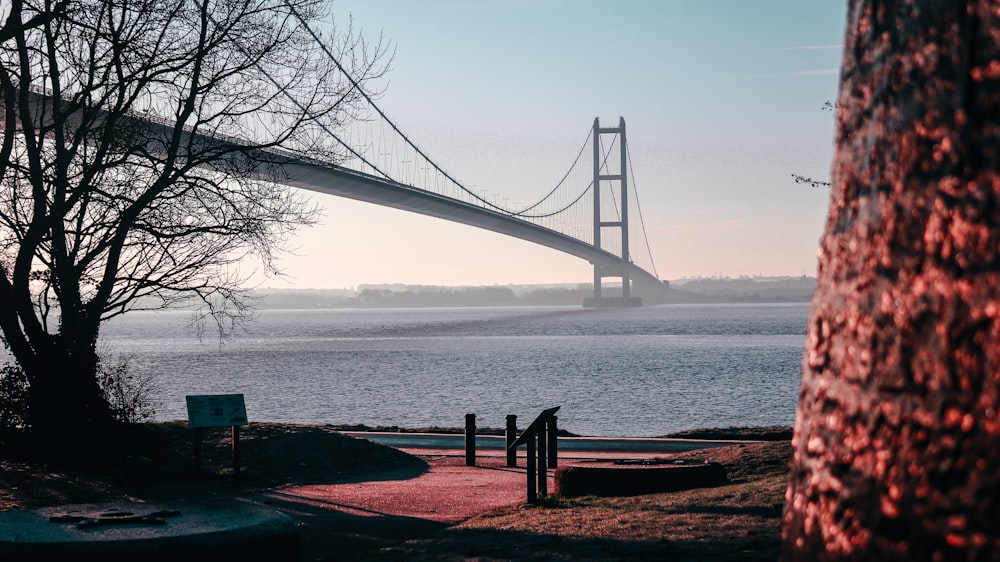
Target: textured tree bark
897	439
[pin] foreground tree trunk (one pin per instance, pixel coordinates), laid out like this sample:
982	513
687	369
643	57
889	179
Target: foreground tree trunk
65	396
897	440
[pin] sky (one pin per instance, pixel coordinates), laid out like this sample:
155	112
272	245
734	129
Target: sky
722	100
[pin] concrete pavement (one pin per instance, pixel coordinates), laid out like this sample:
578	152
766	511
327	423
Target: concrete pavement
586	446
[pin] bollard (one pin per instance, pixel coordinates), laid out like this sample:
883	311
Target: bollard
553	428
196	443
530	462
511	437
537	448
543	465
470	439
236	450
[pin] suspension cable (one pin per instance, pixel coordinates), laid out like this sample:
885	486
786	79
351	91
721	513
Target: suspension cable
368	98
301	107
642	223
604	164
590	132
563	208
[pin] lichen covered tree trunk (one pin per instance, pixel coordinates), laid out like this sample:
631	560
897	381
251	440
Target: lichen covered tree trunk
897	439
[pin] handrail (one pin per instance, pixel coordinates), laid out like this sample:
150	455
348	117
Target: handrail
537	433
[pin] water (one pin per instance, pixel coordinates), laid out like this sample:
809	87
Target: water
632	372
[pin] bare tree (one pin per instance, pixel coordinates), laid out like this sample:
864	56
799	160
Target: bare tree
13	24
897	439
149	137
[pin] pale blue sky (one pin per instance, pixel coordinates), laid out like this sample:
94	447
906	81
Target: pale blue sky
722	101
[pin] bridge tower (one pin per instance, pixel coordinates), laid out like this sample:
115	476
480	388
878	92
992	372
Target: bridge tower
621	179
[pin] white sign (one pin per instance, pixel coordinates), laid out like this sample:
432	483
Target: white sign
216	410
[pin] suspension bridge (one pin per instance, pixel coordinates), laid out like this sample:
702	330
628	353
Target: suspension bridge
586	214
591	222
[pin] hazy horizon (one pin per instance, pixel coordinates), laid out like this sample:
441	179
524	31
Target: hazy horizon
589	282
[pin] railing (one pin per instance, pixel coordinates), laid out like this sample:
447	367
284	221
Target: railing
540	441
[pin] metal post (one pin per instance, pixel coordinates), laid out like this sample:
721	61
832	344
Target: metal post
553	430
236	449
196	442
470	439
543	465
511	434
530	461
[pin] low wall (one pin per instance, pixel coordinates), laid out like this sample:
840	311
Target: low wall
573	481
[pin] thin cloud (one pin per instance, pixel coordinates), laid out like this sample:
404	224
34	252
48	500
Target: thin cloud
706	228
793	73
813	48
817	72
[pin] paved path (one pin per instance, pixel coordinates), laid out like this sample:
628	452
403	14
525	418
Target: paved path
617	445
448	492
354	519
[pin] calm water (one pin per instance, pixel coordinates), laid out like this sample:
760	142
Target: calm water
635	372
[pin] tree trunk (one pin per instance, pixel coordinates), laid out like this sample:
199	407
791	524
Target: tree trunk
897	439
65	398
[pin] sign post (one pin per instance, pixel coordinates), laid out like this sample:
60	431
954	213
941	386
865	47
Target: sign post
216	410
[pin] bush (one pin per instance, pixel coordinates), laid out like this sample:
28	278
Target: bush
13	397
129	395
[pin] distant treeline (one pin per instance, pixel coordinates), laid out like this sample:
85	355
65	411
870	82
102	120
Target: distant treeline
469	296
398	296
744	289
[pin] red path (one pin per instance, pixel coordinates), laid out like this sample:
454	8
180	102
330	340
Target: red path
353	520
449	492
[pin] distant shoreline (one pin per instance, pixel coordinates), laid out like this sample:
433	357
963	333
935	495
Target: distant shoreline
743	433
683	291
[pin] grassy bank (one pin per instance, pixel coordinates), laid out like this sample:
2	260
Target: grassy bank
155	461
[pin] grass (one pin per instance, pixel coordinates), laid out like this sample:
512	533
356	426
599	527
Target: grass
748	507
739	521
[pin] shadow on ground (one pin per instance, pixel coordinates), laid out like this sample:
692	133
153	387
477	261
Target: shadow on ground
156	462
491	544
332	531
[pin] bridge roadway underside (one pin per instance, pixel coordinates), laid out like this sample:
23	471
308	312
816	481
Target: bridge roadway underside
281	168
343	182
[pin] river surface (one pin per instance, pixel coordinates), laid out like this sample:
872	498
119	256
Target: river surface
633	372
